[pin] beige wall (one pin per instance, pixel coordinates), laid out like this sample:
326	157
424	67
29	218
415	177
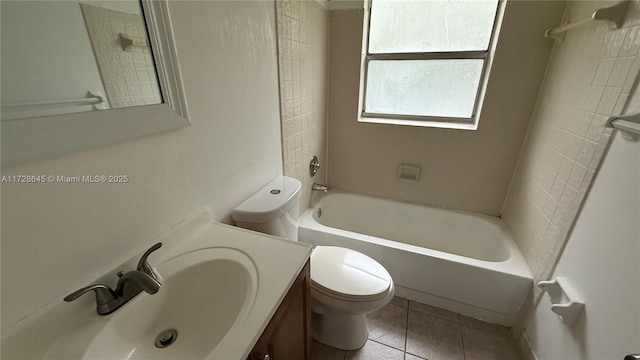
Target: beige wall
303	49
468	170
588	79
59	237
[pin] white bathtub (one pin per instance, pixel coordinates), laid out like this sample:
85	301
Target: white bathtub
463	262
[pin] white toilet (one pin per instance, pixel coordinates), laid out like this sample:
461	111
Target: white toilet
345	284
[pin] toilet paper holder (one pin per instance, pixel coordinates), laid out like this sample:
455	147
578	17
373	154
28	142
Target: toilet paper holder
565	300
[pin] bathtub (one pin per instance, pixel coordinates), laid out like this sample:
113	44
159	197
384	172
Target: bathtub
460	261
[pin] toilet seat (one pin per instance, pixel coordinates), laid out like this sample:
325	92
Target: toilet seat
349	275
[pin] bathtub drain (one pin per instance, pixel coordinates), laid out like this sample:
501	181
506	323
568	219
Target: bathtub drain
319	212
166	338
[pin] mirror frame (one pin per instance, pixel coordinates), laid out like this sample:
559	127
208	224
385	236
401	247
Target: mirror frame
39	138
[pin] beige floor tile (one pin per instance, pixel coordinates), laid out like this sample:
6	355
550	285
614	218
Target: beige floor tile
483	345
408	356
400	301
434	338
485	326
375	351
432	310
323	352
388	326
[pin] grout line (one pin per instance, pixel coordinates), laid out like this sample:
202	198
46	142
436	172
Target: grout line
385	345
464	352
438	317
406	331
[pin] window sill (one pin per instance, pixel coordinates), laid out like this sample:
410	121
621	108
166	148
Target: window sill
421	123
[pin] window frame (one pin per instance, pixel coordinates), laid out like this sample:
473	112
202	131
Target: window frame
470	123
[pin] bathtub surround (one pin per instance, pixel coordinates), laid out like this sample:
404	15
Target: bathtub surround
601	259
588	79
469	170
59	237
303	35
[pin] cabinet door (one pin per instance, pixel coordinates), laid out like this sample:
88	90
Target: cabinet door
287	337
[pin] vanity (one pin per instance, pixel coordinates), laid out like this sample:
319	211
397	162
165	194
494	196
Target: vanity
226	293
288	334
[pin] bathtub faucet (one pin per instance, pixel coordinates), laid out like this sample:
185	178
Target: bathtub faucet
319	187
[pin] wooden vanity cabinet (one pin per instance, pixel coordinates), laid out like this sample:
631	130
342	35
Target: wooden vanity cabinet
288	334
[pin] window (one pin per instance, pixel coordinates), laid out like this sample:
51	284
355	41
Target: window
424	61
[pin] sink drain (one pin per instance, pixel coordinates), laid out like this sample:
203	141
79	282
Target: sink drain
166	338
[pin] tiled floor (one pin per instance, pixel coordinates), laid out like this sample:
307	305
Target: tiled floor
407	330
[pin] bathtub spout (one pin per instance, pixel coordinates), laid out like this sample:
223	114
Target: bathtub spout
319	187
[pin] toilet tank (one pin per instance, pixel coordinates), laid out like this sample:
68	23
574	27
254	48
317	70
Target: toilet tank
272	210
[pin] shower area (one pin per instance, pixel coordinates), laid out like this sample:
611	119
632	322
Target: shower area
525	170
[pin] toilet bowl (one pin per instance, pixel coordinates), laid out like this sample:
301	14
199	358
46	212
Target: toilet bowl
345	284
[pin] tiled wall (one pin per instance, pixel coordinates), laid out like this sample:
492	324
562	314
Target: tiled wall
588	79
303	28
129	76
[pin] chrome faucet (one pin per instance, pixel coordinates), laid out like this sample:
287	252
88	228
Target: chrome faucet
129	285
134	282
319	187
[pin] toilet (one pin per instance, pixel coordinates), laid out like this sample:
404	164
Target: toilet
345	284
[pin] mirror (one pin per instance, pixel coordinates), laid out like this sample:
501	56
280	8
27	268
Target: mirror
72	56
81	74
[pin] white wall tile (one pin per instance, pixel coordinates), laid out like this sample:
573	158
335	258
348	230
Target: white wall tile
620	72
608	100
577	174
549	208
596	128
557	189
592	98
586	152
588	79
303	45
631	77
565	169
568	196
620	104
602	73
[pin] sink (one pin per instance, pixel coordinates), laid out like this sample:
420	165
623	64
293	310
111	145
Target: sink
220	287
204	295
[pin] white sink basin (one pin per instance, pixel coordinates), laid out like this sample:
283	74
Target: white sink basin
220	286
204	294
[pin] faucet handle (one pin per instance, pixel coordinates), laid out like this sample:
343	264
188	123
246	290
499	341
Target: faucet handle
143	264
104	294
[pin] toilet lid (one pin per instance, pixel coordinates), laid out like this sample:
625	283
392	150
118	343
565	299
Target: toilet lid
348	274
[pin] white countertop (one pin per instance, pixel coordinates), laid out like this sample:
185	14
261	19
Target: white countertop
278	263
